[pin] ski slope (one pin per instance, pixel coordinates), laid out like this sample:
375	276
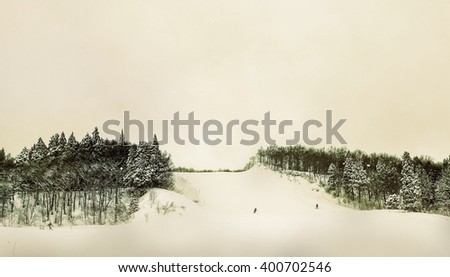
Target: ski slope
212	214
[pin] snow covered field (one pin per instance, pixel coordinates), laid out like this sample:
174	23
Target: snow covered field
213	215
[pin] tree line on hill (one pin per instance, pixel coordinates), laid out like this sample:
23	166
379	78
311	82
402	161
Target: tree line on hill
370	180
92	181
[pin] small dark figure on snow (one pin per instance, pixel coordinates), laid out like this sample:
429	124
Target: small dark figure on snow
255	210
317	206
50	225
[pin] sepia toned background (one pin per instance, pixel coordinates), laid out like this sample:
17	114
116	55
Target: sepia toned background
384	66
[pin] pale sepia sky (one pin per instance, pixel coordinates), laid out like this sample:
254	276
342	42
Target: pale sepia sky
383	65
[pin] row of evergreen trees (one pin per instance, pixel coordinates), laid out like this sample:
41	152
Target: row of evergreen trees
375	180
95	181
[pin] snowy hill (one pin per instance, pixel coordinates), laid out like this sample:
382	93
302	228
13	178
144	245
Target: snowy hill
212	214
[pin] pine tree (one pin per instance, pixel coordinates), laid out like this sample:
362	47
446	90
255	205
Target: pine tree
334	179
427	188
355	177
147	167
39	151
122	140
72	143
132	154
446	163
393	202
53	145
410	191
96	137
100	148
386	178
443	190
136	176
71	147
156	164
348	173
23	156
161	166
86	144
62	141
2	156
360	179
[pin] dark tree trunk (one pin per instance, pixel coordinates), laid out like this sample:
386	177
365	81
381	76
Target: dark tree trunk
85	206
64	202
12	202
74	201
116	204
69	204
100	206
93	207
3	204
